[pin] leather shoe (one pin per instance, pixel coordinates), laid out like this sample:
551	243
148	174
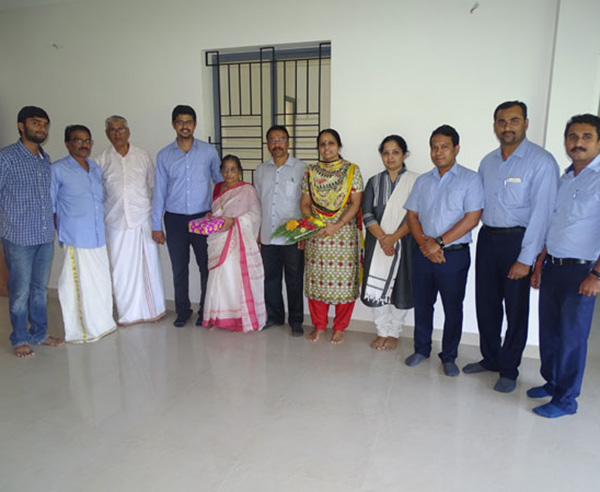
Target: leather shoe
297	330
199	321
270	323
181	320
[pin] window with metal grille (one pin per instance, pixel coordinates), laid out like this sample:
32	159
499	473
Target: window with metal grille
256	88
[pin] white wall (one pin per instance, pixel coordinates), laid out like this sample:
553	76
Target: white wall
575	72
398	66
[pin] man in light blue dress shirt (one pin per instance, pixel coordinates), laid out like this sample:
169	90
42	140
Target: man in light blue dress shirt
183	192
27	231
520	180
442	208
570	278
84	284
278	184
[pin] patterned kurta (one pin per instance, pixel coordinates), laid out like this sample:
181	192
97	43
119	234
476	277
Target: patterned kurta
332	264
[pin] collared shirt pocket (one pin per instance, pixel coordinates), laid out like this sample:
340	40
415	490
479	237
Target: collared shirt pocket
454	199
585	201
514	192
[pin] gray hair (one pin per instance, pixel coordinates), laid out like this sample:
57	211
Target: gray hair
115	117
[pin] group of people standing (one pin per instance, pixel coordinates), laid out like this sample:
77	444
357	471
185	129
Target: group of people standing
538	230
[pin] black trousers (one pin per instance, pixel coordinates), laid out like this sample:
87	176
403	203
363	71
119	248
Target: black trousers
278	261
494	293
179	241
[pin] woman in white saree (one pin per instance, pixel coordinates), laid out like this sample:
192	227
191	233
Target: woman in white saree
235	292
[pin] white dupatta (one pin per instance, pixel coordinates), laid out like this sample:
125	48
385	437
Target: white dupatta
383	270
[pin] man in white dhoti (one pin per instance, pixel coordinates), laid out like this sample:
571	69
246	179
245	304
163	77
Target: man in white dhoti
84	287
128	179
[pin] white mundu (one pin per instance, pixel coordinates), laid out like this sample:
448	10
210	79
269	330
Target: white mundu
135	264
87	317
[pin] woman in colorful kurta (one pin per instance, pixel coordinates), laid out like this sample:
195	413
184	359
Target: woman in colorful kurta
387	278
235	291
332	191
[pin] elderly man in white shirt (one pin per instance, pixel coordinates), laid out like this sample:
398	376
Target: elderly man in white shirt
128	179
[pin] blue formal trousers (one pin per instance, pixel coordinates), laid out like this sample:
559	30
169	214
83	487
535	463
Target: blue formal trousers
179	240
280	260
565	321
450	280
496	253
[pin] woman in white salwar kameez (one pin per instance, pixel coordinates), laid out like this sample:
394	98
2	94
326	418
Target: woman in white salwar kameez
235	292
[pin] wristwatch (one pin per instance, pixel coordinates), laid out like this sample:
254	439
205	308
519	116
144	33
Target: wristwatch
596	273
440	241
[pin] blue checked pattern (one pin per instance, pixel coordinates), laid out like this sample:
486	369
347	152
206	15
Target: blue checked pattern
25	205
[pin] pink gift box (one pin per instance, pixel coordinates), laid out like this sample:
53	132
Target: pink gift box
206	225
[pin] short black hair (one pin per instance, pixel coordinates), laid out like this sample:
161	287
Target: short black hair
279	128
183	109
511	104
587	118
31	112
448	131
394	138
69	130
233	158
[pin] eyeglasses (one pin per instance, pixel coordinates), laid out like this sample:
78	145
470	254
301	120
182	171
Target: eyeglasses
120	131
277	140
79	141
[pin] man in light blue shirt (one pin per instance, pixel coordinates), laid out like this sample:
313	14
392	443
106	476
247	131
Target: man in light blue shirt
278	184
27	231
570	278
84	285
443	207
182	192
520	180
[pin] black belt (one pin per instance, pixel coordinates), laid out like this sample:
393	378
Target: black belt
566	261
456	247
503	230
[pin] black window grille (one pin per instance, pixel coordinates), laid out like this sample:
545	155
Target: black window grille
255	89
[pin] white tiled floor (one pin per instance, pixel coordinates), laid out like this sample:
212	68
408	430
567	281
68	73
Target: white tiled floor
154	408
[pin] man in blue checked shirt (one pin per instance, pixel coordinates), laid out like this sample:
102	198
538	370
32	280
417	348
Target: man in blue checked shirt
520	180
568	272
182	192
27	230
442	208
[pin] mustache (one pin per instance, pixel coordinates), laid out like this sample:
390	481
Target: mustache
575	149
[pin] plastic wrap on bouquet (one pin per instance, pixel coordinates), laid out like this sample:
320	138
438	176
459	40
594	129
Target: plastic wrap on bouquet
206	225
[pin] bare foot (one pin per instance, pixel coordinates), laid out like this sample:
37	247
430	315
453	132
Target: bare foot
390	343
378	343
314	335
24	352
338	337
53	342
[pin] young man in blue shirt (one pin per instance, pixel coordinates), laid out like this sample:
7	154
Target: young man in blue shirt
442	208
183	192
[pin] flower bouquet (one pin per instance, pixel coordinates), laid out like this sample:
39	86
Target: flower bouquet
299	229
